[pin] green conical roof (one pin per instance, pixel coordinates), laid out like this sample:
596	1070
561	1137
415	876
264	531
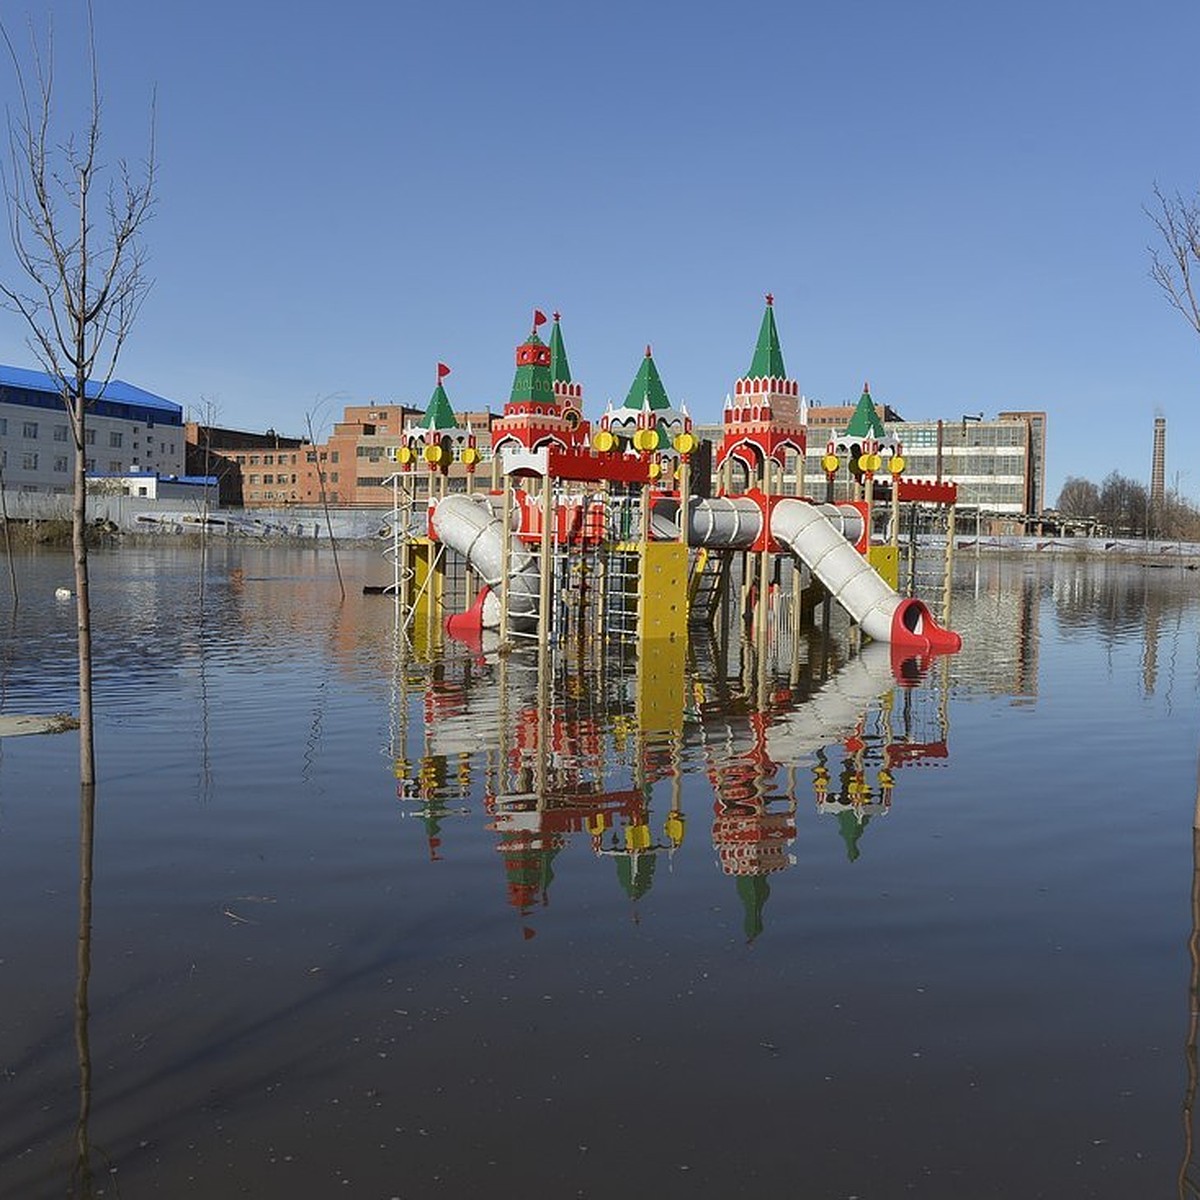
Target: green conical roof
865	422
647	388
532	380
560	369
768	357
439	414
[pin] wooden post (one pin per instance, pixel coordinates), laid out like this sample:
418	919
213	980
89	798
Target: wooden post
896	519
684	498
547	566
949	573
505	557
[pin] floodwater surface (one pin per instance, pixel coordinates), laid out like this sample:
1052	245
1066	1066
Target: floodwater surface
369	919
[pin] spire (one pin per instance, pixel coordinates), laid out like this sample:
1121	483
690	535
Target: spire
439	414
532	380
768	357
560	369
866	422
647	389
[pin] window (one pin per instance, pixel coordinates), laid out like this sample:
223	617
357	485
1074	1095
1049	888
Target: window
115	438
29	460
60	462
254	460
114	465
333	457
333	478
268	479
60	433
89	437
268	460
29	430
89	464
254	480
4	426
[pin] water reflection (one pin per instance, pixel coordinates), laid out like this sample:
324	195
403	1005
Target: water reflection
82	1172
597	748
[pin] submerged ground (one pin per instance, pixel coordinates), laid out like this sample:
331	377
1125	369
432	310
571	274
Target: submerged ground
395	923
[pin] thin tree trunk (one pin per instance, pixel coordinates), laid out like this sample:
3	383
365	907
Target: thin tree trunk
83	607
12	566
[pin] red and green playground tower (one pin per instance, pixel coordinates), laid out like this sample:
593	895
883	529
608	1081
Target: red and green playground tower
545	405
766	415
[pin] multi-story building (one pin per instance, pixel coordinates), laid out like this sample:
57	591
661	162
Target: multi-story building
127	431
359	456
252	469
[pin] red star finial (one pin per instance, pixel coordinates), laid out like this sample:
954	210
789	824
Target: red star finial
648	354
770	299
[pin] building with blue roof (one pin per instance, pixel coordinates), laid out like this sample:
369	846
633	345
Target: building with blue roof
128	431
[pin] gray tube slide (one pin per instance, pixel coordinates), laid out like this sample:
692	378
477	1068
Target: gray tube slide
817	534
467	525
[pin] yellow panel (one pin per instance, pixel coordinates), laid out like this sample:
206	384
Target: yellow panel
886	562
662	591
418	594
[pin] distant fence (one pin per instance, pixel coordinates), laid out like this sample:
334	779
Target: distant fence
137	514
1127	548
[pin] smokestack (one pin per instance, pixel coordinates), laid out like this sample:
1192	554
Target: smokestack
1158	465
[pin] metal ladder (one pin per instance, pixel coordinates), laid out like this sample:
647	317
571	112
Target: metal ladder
707	585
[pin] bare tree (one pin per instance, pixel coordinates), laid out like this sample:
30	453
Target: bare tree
75	229
1173	266
1079	498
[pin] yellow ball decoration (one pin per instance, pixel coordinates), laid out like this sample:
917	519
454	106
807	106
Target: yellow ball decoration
404	455
897	464
655	470
875	462
685	443
433	455
646	439
470	456
830	463
603	441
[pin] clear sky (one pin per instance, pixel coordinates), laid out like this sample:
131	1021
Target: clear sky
946	199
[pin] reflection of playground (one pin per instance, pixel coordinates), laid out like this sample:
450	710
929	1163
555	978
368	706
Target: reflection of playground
600	748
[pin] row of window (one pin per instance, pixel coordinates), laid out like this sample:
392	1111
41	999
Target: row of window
31	432
254	480
264	460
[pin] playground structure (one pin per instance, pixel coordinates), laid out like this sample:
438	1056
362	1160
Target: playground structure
635	532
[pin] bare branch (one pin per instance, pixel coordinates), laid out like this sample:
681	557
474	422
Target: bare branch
1173	265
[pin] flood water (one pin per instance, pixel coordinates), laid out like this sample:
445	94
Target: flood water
378	923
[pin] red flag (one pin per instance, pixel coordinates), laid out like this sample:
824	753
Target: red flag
443	371
539	317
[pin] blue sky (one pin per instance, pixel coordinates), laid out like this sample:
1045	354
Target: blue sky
946	199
